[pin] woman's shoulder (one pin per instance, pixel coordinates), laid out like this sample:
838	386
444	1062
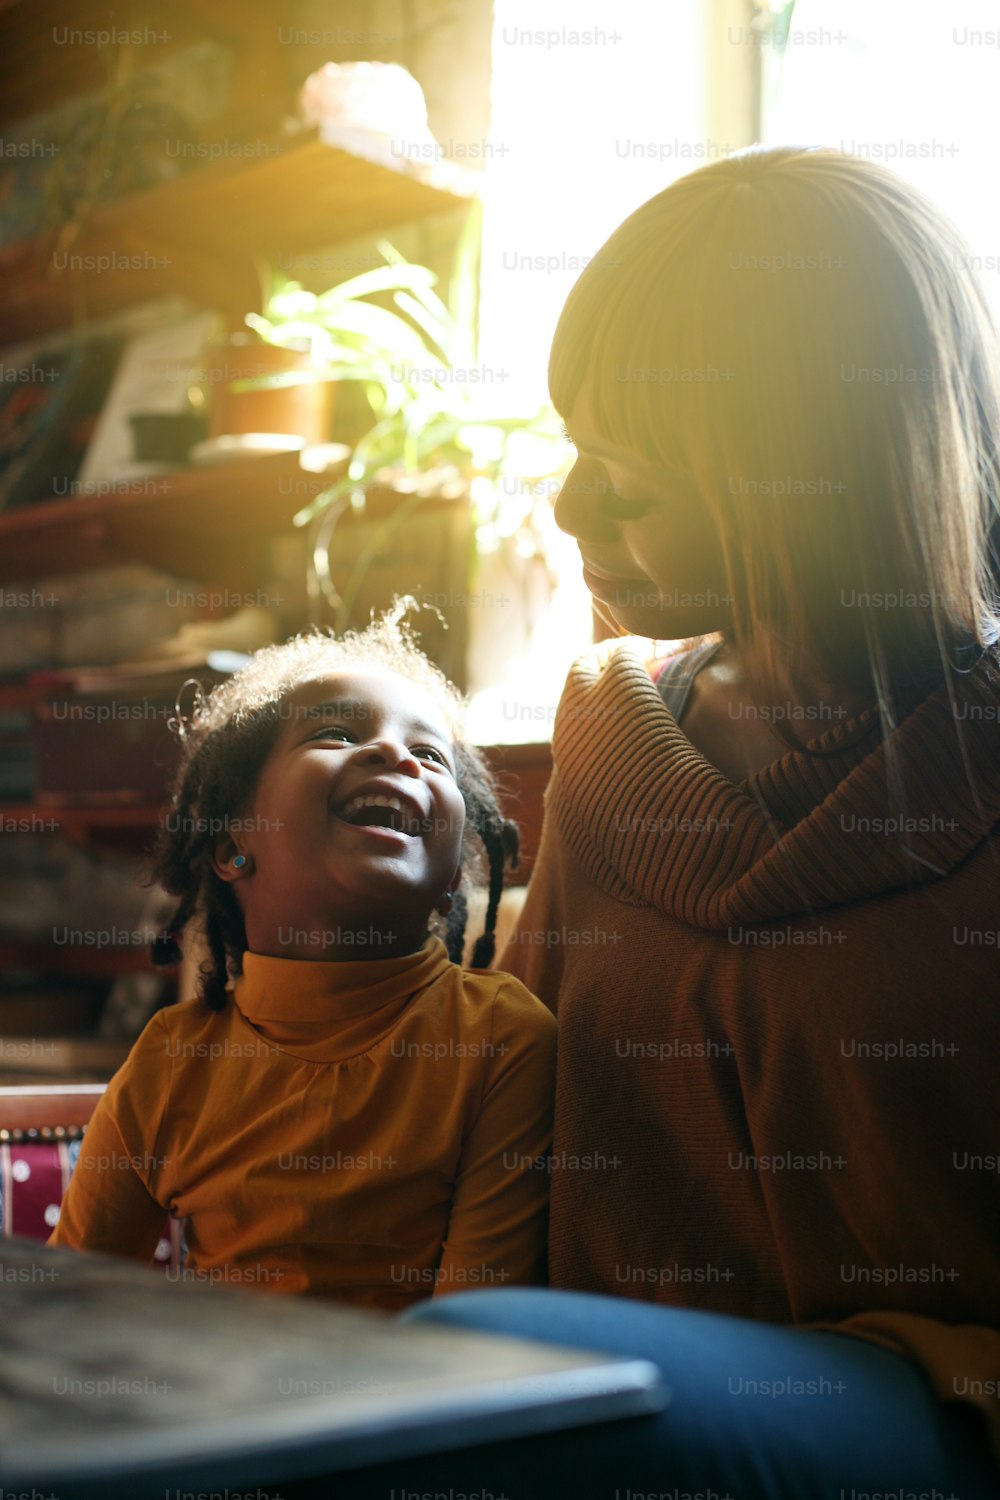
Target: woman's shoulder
629	654
684	659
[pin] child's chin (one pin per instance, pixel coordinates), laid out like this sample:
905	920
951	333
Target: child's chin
365	837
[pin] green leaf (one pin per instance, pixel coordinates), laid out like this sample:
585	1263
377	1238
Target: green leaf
380	279
386	329
291	302
324	500
464	289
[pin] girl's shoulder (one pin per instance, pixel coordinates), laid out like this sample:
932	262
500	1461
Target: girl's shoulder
183	1021
502	999
517	1030
176	1031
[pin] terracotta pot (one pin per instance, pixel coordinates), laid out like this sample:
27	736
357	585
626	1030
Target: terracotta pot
297	410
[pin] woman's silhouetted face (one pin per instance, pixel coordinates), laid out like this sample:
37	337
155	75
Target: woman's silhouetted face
650	551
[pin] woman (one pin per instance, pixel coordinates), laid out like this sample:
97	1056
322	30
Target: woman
774	869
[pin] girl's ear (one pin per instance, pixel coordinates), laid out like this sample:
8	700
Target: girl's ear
447	897
228	862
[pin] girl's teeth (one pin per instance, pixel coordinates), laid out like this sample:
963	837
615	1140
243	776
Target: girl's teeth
376	801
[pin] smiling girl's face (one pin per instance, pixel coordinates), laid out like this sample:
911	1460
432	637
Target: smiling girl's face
357	820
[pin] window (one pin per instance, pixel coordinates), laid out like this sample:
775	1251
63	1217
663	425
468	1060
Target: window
913	88
595	108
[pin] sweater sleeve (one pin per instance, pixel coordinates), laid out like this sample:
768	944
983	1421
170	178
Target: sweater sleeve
110	1204
499	1219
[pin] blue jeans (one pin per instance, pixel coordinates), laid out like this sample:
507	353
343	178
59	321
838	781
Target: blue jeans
872	1422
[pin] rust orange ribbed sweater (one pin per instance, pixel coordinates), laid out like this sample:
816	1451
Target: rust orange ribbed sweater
367	1131
760	1111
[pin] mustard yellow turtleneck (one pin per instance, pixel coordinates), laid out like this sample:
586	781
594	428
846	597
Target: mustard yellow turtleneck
370	1131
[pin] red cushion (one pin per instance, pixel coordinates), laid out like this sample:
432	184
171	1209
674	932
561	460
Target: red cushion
33	1178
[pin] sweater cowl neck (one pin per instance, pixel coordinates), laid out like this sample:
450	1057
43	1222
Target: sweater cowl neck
654	823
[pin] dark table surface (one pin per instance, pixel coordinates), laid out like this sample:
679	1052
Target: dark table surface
115	1381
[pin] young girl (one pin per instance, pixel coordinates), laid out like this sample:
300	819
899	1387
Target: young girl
357	1116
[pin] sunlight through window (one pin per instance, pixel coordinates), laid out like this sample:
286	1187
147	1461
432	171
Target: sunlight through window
595	108
914	89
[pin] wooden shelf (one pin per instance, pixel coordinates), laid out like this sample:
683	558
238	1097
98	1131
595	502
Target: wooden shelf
203	234
523	773
83	1058
37	74
77	821
86	963
207	524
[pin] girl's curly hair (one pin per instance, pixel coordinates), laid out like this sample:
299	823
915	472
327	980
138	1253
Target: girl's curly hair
225	743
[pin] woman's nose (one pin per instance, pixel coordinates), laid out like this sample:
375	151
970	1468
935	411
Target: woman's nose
578	510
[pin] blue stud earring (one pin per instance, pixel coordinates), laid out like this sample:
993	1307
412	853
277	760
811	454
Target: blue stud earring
239	861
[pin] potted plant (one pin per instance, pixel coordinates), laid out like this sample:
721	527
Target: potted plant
280	376
262	388
436	427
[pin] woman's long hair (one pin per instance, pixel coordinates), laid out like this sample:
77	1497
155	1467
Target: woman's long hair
799	335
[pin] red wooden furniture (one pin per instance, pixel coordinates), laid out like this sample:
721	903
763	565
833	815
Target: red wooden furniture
41	1127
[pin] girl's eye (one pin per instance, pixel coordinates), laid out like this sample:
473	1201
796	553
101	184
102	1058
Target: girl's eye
428	751
330	732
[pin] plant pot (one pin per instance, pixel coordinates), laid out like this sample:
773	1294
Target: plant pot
165	437
296	410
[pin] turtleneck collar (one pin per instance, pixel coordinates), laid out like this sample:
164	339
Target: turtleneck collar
653	822
329	1011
